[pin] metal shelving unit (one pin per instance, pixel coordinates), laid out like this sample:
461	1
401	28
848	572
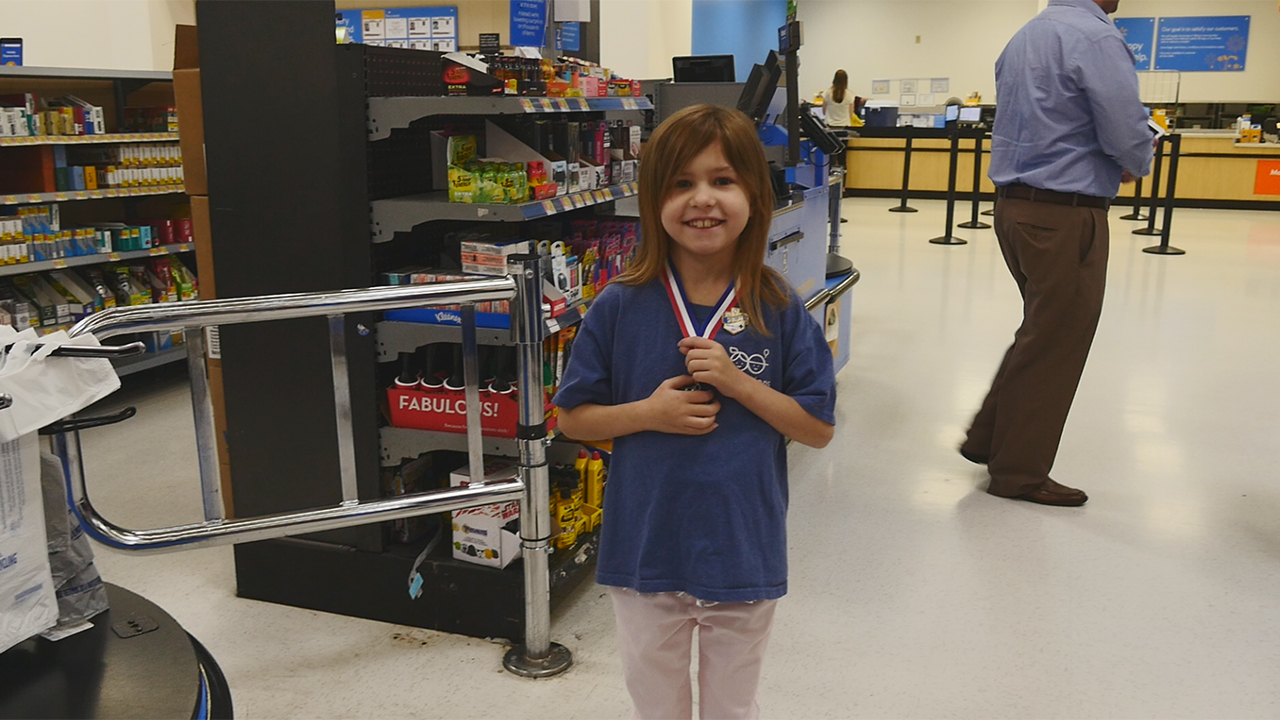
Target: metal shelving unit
69	195
98	259
100	138
402	214
388	113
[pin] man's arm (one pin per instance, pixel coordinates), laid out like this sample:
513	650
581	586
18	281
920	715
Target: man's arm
1106	73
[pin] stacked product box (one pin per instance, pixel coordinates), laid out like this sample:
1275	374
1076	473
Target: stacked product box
25	115
36	234
488	534
162	118
117	166
54	300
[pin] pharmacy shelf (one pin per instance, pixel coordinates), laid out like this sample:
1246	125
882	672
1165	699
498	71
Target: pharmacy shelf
388	113
16	71
146	361
69	195
402	214
400	443
395	337
97	259
89	139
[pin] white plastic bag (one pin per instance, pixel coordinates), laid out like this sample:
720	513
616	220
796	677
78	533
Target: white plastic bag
28	604
47	389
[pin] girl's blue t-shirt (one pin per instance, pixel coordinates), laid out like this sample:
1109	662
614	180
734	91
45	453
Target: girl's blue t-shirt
704	515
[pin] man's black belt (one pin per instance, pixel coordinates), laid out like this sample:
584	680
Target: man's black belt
1018	191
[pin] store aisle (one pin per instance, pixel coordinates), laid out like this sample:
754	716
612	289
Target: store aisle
913	593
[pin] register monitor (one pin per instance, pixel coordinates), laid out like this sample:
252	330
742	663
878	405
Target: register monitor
703	68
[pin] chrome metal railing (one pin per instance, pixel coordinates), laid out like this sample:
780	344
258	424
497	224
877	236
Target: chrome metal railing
538	656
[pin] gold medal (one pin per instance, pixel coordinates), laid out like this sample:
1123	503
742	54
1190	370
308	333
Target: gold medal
734	321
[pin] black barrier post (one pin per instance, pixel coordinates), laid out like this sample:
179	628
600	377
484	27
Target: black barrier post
1137	203
906	180
974	223
1175	147
1150	229
949	239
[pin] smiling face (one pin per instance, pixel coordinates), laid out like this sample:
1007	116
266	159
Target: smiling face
706	209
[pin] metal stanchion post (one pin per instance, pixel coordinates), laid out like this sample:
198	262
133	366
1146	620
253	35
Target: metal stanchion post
948	238
906	180
1175	148
538	656
974	223
1136	213
1151	229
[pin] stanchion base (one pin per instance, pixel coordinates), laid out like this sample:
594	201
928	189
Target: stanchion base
903	208
949	240
988	213
1134	216
1149	231
557	661
970	225
1164	250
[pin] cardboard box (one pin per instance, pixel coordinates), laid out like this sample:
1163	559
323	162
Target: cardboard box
446	411
202	236
186	94
489	534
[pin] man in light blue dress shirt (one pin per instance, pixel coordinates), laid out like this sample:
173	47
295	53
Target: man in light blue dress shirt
1069	130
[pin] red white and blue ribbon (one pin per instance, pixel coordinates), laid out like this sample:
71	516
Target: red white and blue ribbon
685	319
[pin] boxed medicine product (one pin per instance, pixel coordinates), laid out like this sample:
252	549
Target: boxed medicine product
489	534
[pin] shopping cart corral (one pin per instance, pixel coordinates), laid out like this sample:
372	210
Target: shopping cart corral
537	656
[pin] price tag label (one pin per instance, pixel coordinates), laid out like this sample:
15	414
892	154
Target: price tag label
113	193
565	203
9	200
526	104
581	103
629	104
95	194
61	197
157	251
545	103
562	104
34	198
549	206
113	257
59	264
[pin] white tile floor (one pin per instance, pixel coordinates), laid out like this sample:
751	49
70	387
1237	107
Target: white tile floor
913	593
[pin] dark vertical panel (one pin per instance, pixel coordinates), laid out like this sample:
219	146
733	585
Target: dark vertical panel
281	223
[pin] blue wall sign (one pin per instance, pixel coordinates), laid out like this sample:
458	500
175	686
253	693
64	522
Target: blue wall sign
1202	44
569	37
528	23
1140	35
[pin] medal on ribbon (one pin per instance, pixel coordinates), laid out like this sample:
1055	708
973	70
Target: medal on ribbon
724	314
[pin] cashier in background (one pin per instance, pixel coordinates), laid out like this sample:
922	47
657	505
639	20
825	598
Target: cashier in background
839	105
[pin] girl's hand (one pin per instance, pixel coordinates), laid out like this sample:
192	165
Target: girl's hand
681	412
707	361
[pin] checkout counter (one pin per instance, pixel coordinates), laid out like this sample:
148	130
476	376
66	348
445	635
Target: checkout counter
1216	170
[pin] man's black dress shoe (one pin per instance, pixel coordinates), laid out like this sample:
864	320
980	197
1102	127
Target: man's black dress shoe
973	458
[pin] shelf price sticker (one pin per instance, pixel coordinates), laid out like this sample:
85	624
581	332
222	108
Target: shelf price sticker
9	200
545	104
60	197
157	251
562	104
113	257
629	104
549	206
581	103
95	194
34	198
526	104
59	264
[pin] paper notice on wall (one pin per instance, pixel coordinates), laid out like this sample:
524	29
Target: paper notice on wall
940	85
909	87
879	87
907	100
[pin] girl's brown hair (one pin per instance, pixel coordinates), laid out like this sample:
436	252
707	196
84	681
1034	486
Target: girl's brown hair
839	84
677	141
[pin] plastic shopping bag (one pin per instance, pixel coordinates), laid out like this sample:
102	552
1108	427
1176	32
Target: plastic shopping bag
28	604
47	389
80	592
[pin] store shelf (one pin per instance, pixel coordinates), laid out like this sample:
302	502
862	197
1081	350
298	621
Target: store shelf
89	139
13	71
402	214
69	195
398	443
388	113
395	337
138	363
98	259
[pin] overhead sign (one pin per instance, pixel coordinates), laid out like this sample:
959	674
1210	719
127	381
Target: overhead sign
529	23
1140	35
420	28
1202	44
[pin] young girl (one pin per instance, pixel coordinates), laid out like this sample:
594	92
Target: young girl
699	362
